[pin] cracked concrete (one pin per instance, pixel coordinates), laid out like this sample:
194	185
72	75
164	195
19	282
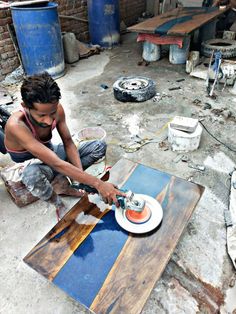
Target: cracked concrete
199	277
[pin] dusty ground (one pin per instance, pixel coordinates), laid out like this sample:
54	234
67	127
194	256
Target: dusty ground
199	276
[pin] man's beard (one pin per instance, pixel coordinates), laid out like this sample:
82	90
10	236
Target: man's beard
35	122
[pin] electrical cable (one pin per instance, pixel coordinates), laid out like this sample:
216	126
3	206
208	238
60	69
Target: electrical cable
232	149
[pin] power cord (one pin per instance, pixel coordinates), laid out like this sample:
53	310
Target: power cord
233	150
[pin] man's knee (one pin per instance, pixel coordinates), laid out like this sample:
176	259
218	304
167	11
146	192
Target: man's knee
98	150
101	148
36	179
92	152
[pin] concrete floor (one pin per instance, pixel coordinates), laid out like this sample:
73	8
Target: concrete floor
199	277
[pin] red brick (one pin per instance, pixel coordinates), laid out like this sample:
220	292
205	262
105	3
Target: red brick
7	41
2	14
3	29
13	62
4	36
9	48
2	22
11	54
4	56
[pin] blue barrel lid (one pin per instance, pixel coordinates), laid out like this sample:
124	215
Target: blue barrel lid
33	5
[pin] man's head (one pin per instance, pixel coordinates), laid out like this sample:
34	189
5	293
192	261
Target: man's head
40	95
40	88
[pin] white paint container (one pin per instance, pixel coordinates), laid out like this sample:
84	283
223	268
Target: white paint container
151	52
184	141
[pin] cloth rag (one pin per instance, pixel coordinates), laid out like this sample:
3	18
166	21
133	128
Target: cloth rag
161	40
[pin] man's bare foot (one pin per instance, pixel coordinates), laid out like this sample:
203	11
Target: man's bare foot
61	209
61	186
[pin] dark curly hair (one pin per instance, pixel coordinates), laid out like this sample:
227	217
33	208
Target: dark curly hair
40	88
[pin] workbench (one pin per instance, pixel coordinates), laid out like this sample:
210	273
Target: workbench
178	22
102	266
174	28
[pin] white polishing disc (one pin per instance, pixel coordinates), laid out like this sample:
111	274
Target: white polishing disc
149	225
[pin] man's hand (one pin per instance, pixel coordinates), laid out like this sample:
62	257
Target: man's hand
109	192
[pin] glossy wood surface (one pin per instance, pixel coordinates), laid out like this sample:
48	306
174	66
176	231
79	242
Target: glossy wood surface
144	257
140	259
197	18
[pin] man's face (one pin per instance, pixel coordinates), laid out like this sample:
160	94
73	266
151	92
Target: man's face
43	115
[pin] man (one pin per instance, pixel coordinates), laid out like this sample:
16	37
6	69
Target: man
28	136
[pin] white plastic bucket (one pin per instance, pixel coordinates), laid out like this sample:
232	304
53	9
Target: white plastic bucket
91	134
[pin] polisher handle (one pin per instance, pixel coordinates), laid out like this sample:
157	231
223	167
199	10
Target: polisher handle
84	187
89	189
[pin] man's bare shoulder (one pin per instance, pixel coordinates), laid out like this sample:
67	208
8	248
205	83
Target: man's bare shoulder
15	122
60	110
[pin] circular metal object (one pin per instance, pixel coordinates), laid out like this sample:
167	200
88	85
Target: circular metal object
139	217
149	225
134	83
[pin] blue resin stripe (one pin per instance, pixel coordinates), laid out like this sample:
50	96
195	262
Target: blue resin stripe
145	180
84	273
165	27
86	270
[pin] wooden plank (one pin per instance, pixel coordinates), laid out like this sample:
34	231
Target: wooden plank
187	20
27	3
54	250
91	258
144	258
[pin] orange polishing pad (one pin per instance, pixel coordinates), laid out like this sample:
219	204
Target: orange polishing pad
138	217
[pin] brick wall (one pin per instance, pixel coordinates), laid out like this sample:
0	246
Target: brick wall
8	57
74	8
130	10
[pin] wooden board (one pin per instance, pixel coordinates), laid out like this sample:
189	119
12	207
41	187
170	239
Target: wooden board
178	22
90	257
27	3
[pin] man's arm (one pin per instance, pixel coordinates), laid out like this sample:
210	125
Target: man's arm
25	138
70	148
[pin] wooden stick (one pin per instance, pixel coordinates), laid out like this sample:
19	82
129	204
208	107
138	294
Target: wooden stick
73	18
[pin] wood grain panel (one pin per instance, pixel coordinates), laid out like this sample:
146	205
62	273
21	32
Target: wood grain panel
54	250
138	261
144	257
121	171
199	18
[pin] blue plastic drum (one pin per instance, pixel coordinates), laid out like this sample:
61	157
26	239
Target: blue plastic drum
104	22
38	34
